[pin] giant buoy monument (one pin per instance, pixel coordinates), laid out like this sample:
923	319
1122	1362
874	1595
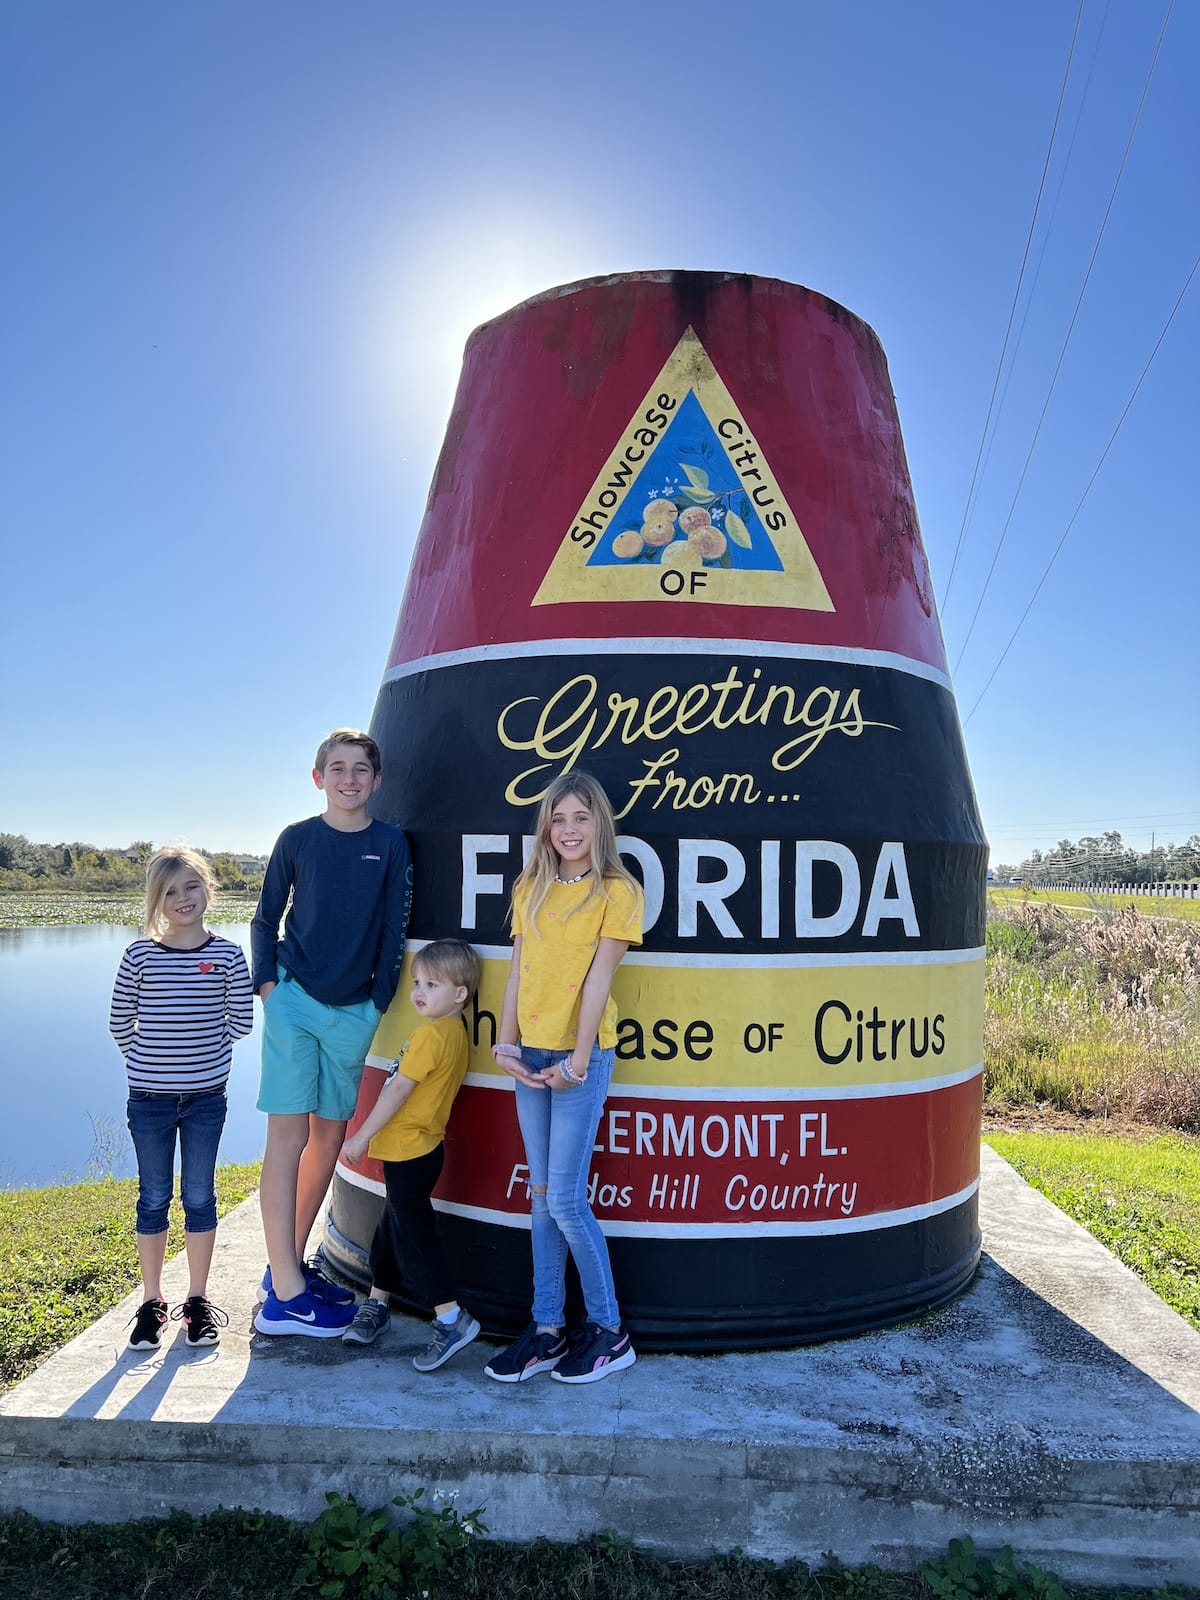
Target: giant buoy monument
671	540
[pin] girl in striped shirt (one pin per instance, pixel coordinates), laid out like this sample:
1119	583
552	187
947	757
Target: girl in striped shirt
181	998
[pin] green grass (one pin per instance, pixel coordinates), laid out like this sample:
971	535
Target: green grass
1078	900
67	1254
1142	1200
246	1555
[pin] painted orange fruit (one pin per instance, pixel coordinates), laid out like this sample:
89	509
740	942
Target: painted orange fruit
709	541
658	533
694	518
629	544
659	511
681	554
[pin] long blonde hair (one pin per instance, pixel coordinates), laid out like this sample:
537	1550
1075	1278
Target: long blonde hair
542	868
161	870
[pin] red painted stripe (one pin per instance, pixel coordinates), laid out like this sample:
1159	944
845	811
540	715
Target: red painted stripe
845	1159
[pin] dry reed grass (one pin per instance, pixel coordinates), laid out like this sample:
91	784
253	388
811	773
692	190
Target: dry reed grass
1097	1016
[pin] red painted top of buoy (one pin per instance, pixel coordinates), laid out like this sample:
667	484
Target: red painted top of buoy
549	388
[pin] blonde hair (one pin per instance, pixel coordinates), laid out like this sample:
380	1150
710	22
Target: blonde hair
542	868
161	870
450	961
353	736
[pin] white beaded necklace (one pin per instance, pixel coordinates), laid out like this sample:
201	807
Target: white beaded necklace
578	879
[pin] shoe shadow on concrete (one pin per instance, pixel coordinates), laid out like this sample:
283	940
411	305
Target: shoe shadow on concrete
139	1380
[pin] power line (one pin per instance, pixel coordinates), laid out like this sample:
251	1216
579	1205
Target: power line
1037	271
1086	492
1095	829
1106	822
1016	298
1070	332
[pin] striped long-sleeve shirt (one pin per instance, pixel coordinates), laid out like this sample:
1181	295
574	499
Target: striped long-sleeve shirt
175	1014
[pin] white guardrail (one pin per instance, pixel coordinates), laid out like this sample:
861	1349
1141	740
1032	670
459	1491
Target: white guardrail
1159	891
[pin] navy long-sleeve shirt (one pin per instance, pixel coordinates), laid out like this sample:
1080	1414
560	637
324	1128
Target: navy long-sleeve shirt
344	937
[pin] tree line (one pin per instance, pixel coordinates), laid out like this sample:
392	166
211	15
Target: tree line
1105	858
73	864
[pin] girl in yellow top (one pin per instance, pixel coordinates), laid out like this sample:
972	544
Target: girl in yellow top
575	913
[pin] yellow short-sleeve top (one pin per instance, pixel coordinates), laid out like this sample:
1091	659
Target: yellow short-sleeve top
556	955
435	1058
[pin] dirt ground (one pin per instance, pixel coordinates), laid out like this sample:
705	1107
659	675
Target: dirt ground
1047	1119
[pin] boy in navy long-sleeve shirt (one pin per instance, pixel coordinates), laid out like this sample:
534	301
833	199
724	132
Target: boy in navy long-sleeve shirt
324	986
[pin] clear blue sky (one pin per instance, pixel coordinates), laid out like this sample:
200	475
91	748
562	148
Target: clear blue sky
245	244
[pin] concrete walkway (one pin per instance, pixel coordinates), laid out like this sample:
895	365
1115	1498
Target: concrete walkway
1055	1407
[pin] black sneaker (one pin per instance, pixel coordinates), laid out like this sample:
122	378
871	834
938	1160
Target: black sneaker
148	1325
533	1352
597	1353
204	1320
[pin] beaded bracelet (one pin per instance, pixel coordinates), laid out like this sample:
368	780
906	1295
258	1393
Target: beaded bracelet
567	1072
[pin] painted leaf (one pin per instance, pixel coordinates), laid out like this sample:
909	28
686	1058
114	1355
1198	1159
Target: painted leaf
695	497
737	530
696	476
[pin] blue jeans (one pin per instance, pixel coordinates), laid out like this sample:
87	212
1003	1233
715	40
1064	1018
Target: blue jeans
559	1130
154	1122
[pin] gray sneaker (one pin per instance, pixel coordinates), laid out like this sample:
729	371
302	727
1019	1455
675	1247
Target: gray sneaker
370	1320
446	1340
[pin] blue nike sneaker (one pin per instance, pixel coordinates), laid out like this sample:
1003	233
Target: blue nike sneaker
333	1292
310	1314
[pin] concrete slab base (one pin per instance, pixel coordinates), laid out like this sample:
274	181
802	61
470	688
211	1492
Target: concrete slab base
1055	1407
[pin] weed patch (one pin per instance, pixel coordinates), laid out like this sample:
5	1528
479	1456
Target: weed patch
248	1555
1098	1016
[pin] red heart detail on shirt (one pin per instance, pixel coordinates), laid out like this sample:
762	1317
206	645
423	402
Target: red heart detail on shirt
208	966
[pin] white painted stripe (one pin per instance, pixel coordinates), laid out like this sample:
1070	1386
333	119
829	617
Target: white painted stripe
735	1095
359	1180
788	960
732	1230
754	649
796	958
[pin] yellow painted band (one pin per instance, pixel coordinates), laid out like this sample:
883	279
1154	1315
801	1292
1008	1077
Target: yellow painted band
810	1027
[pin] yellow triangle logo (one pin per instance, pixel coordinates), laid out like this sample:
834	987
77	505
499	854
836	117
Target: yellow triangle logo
686	508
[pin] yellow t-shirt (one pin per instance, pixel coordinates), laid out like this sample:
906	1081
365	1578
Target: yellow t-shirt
435	1058
556	955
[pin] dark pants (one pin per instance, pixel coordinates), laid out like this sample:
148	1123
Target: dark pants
407	1258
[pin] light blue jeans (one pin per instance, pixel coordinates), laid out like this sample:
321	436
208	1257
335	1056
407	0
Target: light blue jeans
559	1130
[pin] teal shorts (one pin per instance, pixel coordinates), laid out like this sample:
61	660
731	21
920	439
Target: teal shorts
313	1054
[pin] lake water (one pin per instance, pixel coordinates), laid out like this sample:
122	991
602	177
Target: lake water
59	1066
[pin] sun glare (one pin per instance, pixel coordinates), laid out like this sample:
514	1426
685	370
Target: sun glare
475	263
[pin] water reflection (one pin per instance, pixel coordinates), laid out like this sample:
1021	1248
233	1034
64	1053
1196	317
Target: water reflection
60	1068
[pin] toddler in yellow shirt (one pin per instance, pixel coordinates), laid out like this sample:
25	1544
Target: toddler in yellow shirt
405	1131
